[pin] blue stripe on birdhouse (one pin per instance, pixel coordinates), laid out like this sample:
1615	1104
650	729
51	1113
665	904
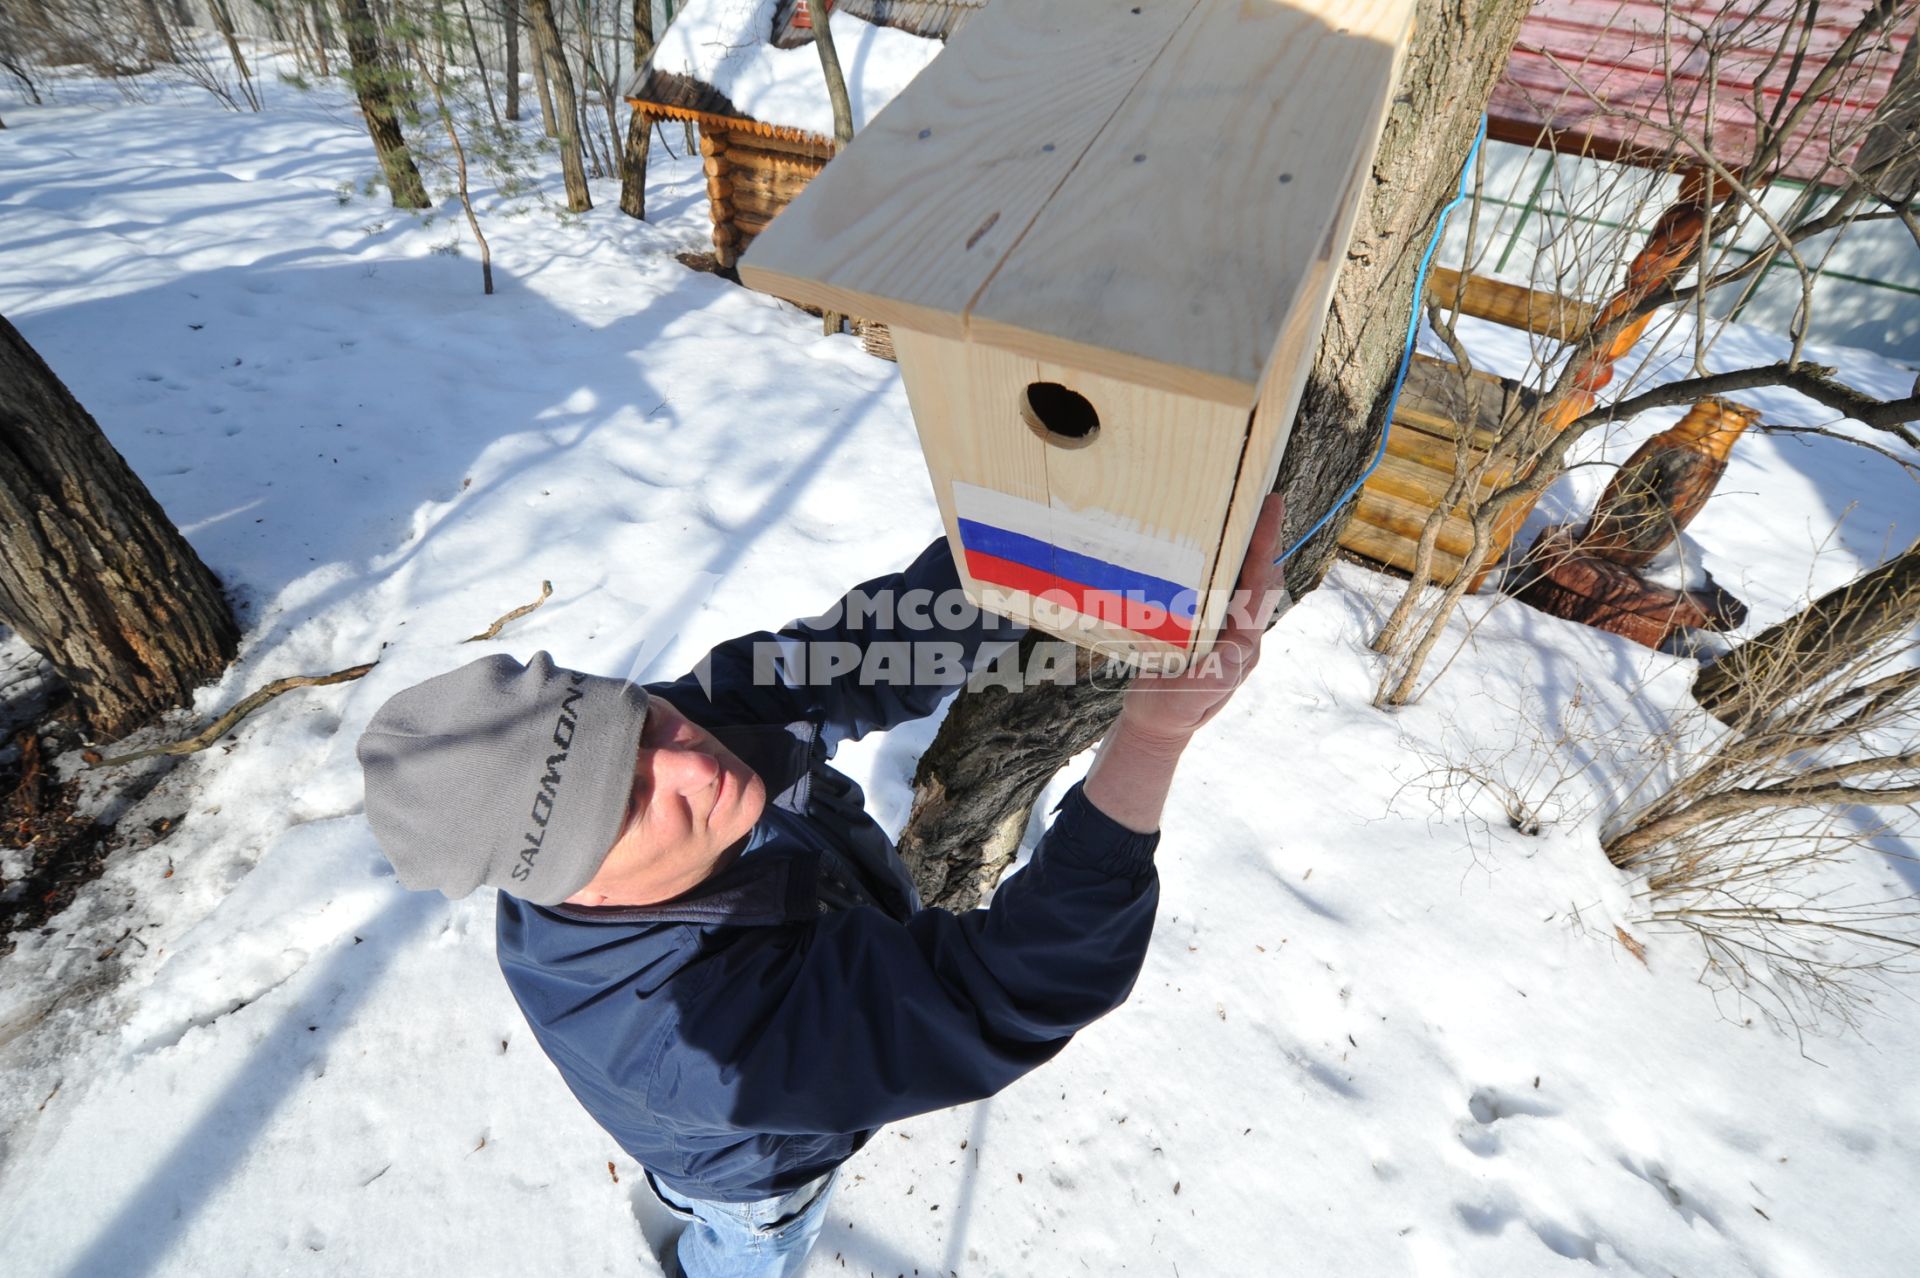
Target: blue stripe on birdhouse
1083	570
1092	562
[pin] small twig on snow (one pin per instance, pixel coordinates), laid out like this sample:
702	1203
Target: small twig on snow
546	592
253	701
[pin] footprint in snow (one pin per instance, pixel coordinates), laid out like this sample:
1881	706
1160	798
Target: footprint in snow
1655	1173
1562	1240
1489	1105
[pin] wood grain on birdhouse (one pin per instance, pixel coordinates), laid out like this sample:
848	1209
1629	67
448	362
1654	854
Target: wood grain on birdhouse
1104	382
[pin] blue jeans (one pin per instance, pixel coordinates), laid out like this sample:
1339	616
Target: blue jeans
769	1238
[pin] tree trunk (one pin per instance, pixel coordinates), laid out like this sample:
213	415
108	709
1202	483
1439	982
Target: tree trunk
1777	663
92	573
633	161
566	109
223	20
1457	55
995	751
593	148
1894	139
549	118
510	23
975	786
460	158
822	14
830	67
373	85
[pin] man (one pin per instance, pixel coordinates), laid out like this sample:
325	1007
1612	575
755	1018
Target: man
716	945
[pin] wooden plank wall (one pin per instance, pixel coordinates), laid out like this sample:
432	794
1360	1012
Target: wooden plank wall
1435	409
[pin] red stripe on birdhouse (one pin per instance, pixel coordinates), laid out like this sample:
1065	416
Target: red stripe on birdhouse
1133	614
802	19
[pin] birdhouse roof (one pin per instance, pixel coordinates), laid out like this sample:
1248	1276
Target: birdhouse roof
1144	190
746	59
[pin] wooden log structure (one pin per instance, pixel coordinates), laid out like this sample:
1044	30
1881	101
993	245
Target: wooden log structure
726	238
1436	406
876	339
753	172
1513	305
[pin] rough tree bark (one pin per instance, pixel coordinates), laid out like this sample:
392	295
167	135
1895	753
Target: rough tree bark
633	162
547	116
1896	132
510	27
565	116
1774	664
92	573
994	753
373	85
975	786
1458	52
830	68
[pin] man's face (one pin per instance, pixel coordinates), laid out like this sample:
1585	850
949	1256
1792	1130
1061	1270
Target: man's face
693	802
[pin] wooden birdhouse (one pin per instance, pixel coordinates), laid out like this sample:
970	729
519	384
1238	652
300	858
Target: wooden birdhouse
1104	234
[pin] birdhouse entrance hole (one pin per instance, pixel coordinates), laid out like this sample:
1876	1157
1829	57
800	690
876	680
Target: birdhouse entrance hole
1062	417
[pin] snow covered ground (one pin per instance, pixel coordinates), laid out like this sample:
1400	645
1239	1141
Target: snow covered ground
1377	1035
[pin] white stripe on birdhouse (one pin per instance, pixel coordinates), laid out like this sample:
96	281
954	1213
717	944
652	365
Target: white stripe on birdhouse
1097	534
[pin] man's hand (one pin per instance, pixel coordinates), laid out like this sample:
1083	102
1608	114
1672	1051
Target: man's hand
1131	775
1171	708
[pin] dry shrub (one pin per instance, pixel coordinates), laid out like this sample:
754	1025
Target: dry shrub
1803	786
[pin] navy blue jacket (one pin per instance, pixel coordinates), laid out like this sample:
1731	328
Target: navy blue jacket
747	1036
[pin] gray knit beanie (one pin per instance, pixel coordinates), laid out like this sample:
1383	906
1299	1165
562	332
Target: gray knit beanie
517	776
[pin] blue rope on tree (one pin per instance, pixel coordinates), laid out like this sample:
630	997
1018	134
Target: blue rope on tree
1406	354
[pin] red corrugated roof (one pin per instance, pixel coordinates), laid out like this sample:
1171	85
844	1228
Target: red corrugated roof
1614	77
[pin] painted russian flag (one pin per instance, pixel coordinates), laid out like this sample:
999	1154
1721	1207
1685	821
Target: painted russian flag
1083	560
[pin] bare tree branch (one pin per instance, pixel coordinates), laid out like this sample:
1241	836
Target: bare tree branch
1819	779
1909	464
1814	381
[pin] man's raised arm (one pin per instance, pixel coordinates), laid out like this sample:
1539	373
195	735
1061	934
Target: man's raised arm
885	653
1134	769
